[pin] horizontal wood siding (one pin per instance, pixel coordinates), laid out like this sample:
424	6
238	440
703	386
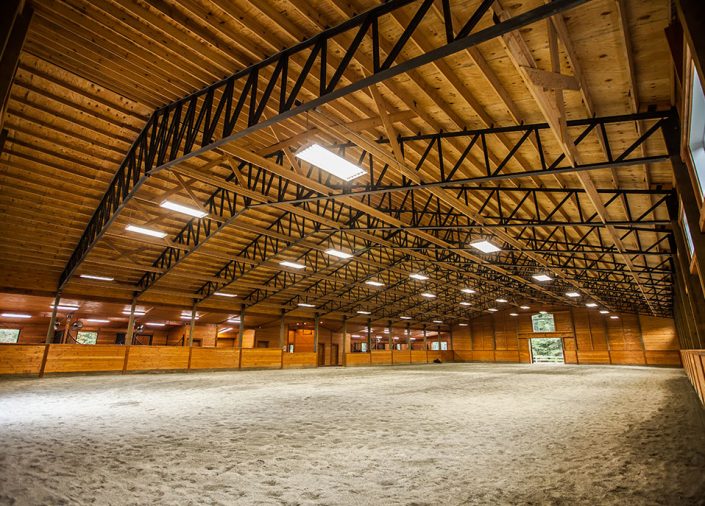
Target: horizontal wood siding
157	358
84	358
215	358
299	360
21	358
261	358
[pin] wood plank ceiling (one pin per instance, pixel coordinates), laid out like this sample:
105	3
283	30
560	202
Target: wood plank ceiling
91	74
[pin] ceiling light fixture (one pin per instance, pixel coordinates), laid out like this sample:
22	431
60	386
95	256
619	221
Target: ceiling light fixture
543	312
604	311
462	324
137	313
15	315
196	213
364	312
501	301
373	283
226	329
428	295
524	307
155	324
485	246
463	303
405	317
418	276
305	304
337	253
146	231
513	314
492	310
234	320
328	161
223	294
542	277
614	317
467	290
293	265
572	294
591	304
65	307
97	320
437	321
97	278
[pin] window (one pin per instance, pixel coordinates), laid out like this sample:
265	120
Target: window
696	141
434	345
86	337
444	346
291	348
686	233
9	336
543	322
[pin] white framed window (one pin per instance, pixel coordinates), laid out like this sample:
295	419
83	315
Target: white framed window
696	138
9	336
86	337
686	233
543	322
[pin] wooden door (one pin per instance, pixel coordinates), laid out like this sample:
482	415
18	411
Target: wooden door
333	354
321	355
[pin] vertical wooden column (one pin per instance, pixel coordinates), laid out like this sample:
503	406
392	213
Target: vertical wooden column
192	326
425	342
451	347
241	330
282	333
316	325
131	323
369	335
391	336
52	320
345	340
408	337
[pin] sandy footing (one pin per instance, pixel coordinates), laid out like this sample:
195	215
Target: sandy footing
433	434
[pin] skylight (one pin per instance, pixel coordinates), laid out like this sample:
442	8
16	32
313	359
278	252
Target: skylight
542	277
485	246
328	161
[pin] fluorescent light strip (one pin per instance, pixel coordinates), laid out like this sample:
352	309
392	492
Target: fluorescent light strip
223	294
405	317
293	265
16	315
68	307
188	317
485	246
154	324
604	311
97	278
513	314
492	310
572	294
467	290
418	276
614	317
196	213
524	307
437	321
328	161
428	295
137	313
465	304
364	312
542	277
373	283
462	324
591	304
502	301
97	320
234	320
337	253
146	231
305	304
226	329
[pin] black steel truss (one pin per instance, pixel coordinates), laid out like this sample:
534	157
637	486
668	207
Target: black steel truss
292	81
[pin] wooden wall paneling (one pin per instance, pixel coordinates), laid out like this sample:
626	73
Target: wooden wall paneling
23	359
524	351
72	358
381	357
157	358
433	355
357	359
299	360
419	356
214	358
570	352
261	358
401	357
506	356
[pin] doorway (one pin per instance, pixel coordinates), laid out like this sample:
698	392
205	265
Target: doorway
321	355
547	350
333	354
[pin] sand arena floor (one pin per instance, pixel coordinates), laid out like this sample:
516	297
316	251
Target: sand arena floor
433	434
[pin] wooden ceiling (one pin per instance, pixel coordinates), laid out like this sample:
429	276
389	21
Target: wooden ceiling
91	74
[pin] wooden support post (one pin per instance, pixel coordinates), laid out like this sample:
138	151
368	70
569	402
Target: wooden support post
52	322
408	337
241	330
450	335
391	336
369	335
316	323
131	323
282	333
345	339
425	342
192	326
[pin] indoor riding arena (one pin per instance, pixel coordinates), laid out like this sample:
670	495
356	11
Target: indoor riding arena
352	252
